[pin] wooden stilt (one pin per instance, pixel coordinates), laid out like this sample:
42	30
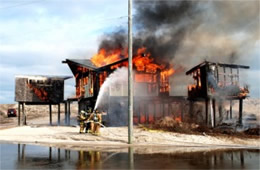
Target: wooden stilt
206	110
66	113
69	113
214	112
59	114
24	116
50	112
19	113
230	109
220	111
240	111
211	112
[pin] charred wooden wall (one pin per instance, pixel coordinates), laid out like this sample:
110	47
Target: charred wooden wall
39	91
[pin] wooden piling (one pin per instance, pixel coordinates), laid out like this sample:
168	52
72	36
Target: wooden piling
214	112
206	110
19	114
66	112
240	111
50	112
230	109
59	114
24	116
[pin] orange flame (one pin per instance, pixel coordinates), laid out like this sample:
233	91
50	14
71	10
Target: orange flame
142	62
178	119
104	58
39	92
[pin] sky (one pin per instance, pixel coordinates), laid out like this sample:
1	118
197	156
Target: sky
37	35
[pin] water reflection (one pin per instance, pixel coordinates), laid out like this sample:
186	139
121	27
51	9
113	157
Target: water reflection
22	156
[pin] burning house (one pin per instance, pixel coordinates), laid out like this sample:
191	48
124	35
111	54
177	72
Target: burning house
39	90
151	86
164	29
216	83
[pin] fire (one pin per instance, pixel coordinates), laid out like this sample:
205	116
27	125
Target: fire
144	64
104	58
39	92
164	80
178	119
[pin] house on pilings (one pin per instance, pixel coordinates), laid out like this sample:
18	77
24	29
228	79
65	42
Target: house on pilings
152	99
216	83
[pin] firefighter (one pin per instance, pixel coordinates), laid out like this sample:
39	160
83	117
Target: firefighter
87	123
81	118
95	120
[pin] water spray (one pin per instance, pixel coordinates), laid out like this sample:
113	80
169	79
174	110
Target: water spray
118	76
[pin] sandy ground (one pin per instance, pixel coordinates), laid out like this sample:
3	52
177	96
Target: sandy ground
117	136
40	133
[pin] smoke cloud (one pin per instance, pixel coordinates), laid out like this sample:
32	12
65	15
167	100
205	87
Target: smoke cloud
185	33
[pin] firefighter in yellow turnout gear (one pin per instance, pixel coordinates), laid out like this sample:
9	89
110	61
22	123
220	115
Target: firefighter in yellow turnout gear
95	120
83	124
81	118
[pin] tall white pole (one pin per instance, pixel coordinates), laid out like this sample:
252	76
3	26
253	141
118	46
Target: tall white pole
130	75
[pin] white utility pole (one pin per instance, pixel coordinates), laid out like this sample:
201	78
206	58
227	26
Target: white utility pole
130	75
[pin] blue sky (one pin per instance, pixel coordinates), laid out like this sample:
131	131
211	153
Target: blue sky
36	35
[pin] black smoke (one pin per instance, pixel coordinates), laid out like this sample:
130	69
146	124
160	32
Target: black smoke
160	27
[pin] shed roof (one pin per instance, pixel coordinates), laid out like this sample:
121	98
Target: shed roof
82	62
87	63
219	64
40	77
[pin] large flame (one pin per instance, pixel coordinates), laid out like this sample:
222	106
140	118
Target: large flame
104	57
146	68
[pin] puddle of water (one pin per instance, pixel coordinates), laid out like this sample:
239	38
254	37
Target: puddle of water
20	156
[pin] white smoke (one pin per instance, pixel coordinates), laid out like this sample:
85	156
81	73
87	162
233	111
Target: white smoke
119	76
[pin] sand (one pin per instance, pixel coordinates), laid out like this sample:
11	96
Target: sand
40	133
117	136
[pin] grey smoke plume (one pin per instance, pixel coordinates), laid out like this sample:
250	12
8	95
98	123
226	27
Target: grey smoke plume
185	33
220	31
161	27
